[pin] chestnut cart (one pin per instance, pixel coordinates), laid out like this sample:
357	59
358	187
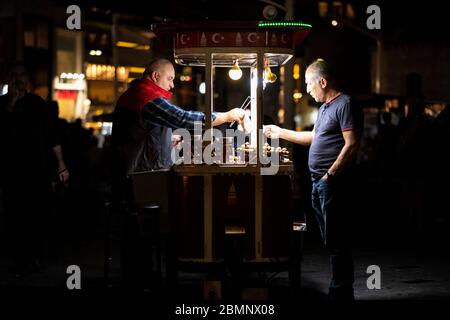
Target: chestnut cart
237	200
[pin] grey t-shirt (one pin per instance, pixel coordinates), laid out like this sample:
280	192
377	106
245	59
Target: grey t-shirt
333	118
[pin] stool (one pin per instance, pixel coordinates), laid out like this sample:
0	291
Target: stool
150	236
110	209
143	223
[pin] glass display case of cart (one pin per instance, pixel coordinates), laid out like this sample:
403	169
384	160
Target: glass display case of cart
252	46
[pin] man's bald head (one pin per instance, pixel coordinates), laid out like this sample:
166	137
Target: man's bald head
161	72
155	65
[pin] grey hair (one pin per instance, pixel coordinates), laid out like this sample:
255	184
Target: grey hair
322	69
155	65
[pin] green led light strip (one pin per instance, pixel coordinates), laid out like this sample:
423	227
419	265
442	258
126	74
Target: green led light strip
284	24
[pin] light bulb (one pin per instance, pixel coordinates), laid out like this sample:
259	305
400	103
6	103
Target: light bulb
269	76
235	72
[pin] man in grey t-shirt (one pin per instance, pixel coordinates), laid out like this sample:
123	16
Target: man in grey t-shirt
334	142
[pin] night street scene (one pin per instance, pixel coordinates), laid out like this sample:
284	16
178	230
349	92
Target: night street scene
225	159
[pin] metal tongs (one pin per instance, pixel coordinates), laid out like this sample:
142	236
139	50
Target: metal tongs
244	106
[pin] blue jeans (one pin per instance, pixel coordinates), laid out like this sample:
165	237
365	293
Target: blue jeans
332	213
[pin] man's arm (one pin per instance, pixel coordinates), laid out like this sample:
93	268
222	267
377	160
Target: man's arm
161	112
63	173
54	140
348	152
300	137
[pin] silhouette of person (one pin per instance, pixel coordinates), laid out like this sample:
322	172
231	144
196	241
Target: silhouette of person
27	141
413	151
386	142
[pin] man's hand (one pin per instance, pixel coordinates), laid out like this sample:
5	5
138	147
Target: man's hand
272	131
235	114
176	139
63	174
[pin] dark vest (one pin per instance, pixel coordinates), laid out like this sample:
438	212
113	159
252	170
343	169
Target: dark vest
138	146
